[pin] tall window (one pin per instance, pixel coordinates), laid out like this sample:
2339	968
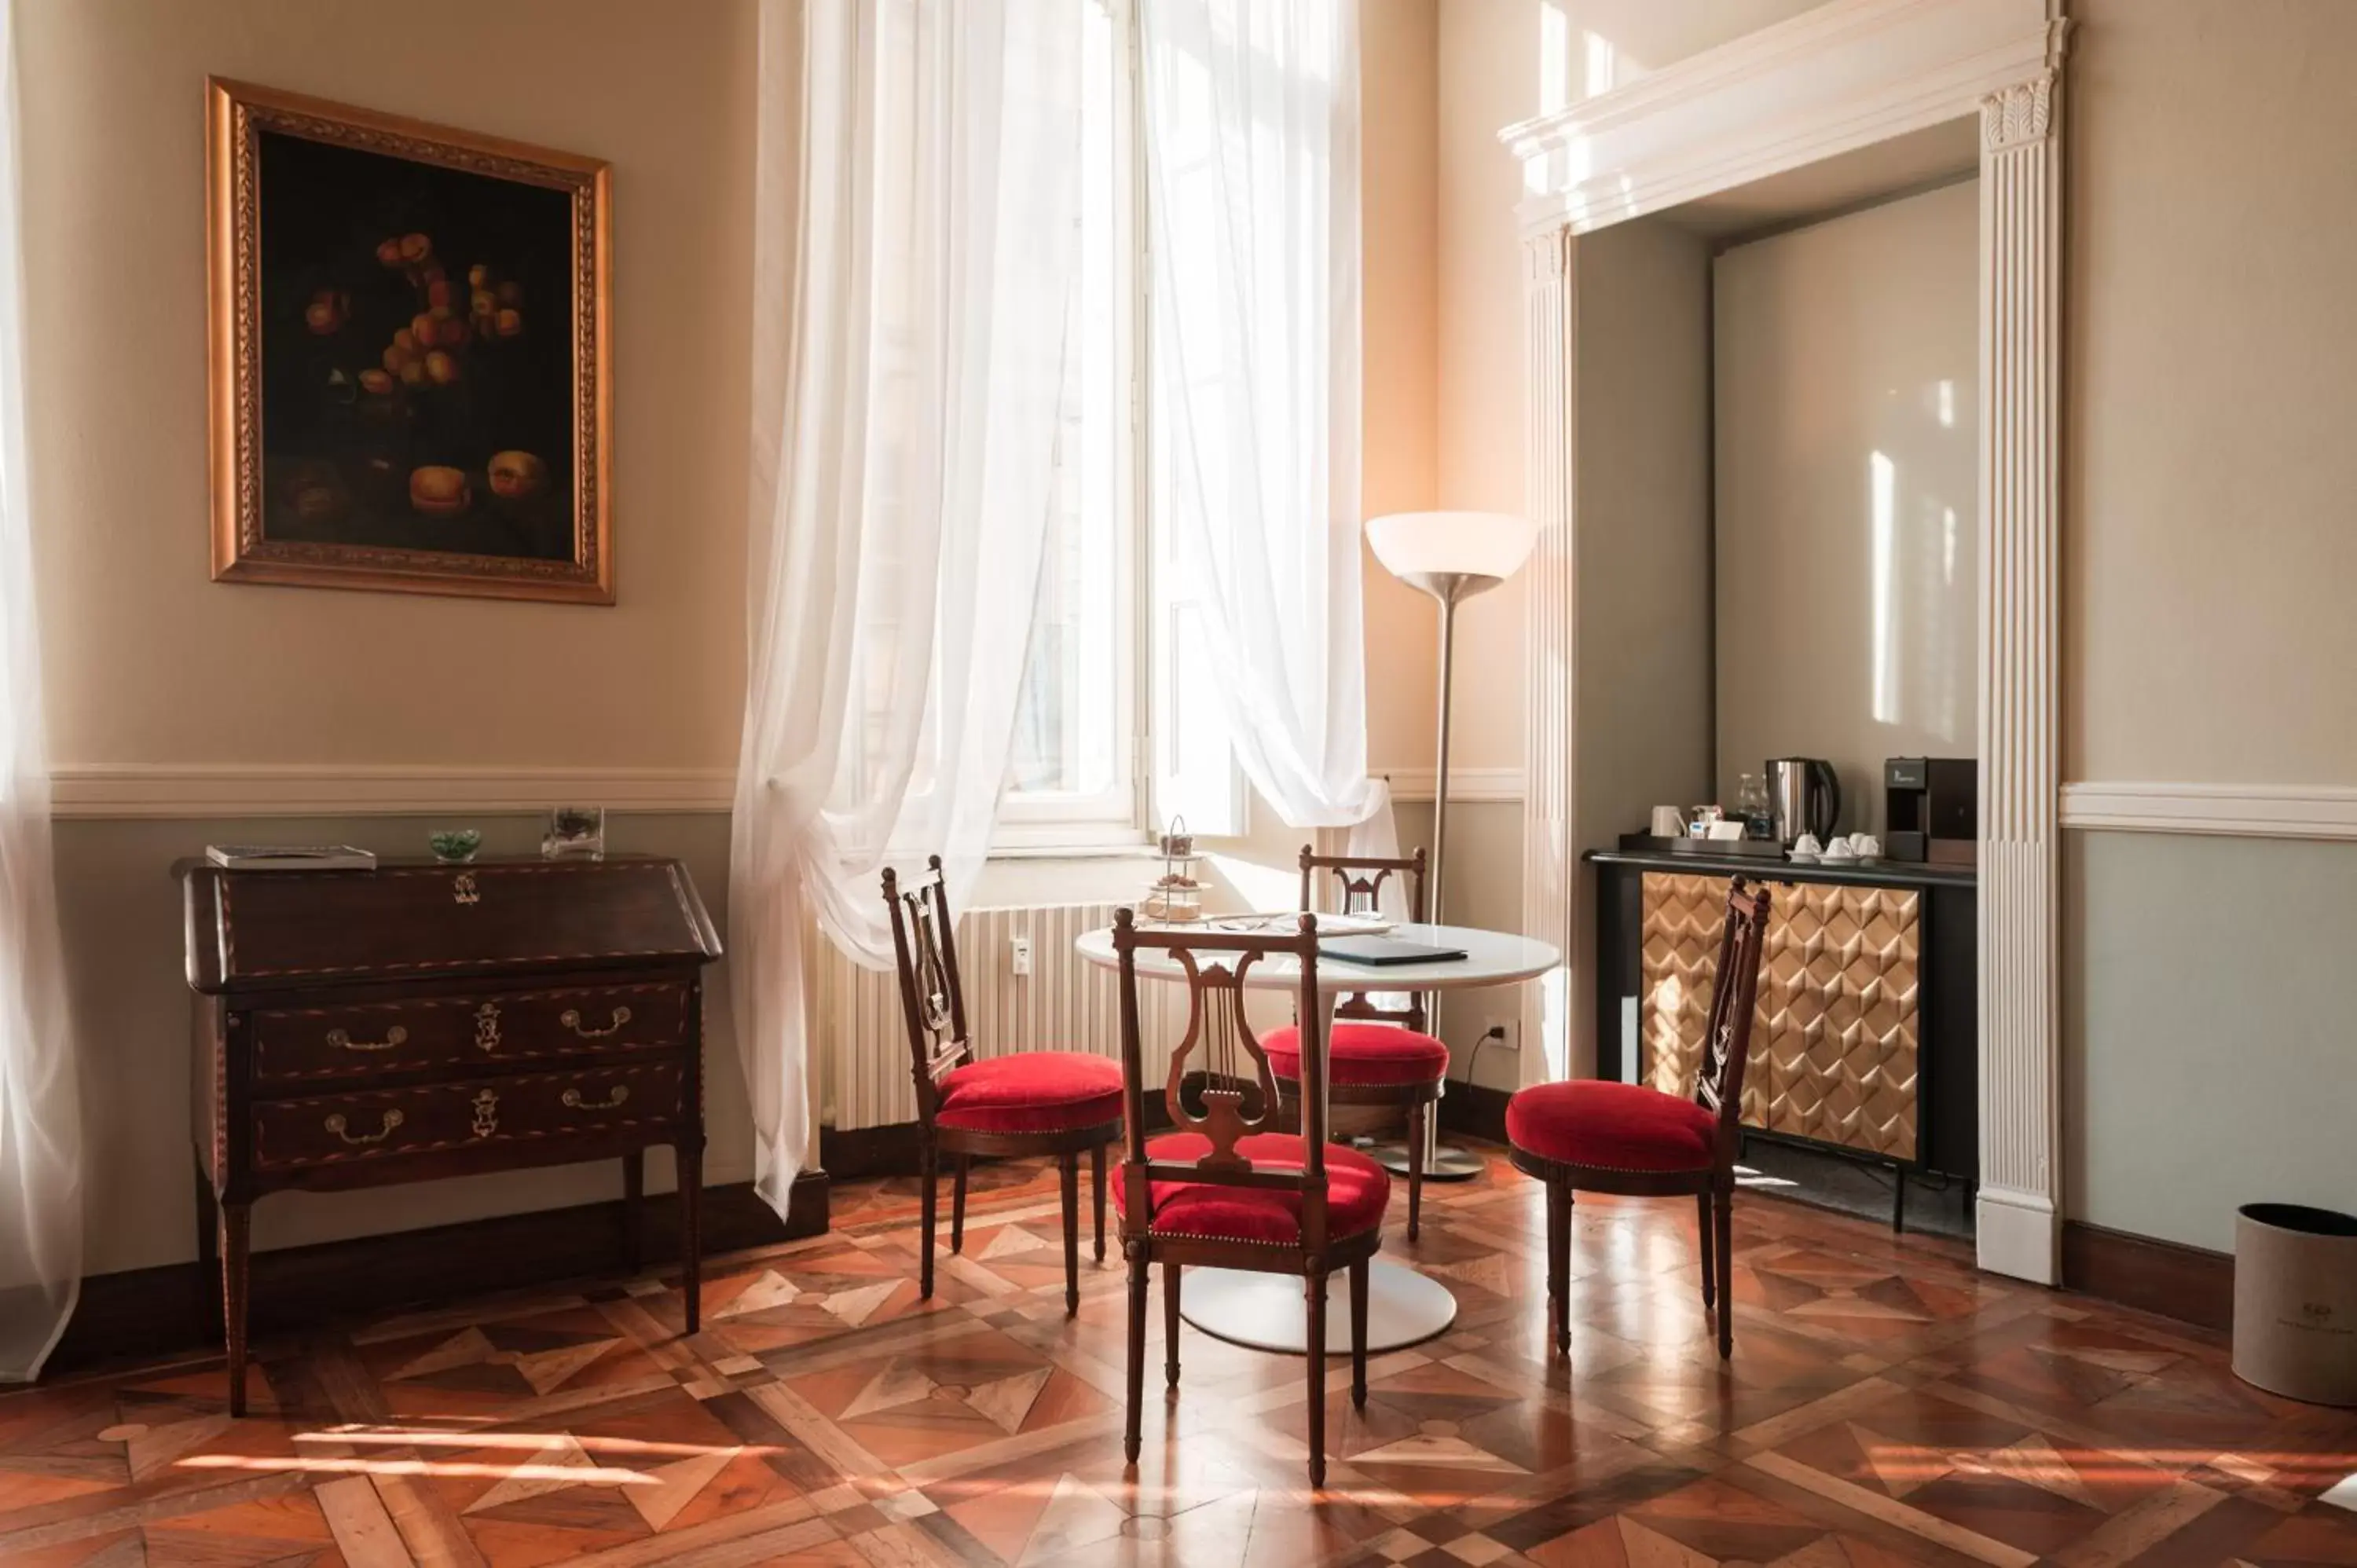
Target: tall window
1116	729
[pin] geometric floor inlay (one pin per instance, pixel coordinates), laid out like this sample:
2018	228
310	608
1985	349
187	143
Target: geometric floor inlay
1887	1404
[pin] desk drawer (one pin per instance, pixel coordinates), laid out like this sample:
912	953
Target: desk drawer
297	1044
425	1119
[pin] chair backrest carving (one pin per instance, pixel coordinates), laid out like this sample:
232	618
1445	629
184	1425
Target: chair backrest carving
932	999
1219	1043
1735	991
1359	881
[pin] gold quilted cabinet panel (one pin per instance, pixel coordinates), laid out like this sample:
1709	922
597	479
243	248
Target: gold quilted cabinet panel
1834	1043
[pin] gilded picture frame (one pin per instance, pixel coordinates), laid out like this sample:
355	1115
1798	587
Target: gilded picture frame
464	448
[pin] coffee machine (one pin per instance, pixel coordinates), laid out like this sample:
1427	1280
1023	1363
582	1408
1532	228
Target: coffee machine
1933	809
1803	797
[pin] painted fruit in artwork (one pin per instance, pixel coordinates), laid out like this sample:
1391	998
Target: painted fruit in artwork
438	492
516	474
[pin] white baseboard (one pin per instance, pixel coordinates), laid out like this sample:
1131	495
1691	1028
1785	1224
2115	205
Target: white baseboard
198	790
2019	1235
2255	810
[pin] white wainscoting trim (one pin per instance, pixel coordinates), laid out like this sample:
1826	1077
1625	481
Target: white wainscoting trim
1464	783
2249	810
197	791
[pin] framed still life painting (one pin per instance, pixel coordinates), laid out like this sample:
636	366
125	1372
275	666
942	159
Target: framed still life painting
408	333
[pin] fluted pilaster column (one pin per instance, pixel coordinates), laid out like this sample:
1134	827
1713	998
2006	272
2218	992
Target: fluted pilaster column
2021	234
1550	855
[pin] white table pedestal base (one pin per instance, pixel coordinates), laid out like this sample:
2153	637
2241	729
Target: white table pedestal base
1266	1312
1446	1163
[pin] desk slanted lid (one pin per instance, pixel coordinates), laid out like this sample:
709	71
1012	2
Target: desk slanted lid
275	930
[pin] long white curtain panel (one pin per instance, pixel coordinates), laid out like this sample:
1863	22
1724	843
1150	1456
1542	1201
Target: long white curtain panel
1252	140
40	1104
916	236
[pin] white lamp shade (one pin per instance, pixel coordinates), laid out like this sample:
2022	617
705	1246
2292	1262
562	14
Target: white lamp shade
1482	543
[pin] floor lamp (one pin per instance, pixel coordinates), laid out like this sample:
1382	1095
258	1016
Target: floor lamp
1452	556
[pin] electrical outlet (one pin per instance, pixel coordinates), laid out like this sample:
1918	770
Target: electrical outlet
1503	1033
1022	954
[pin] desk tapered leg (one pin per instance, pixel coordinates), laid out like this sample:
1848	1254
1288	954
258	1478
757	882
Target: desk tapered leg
235	1238
634	1194
691	1234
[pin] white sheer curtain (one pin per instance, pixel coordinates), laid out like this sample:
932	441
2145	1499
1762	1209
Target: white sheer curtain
914	245
41	1107
1252	140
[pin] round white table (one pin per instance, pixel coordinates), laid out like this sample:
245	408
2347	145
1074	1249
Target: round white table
1262	1310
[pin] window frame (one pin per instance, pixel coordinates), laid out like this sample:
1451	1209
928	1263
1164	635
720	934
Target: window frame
1115	818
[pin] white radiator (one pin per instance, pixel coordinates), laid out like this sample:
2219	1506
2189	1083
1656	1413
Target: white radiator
1064	1003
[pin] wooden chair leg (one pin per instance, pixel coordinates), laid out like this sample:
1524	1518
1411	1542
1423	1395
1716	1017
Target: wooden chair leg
1136	1367
634	1195
1416	1120
1702	1231
1097	1187
1314	1289
1359	1332
957	1204
1559	1261
1726	1227
1068	1167
929	1163
1170	1325
235	1236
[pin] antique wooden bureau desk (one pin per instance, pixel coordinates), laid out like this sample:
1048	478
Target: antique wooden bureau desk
364	1029
1865	1042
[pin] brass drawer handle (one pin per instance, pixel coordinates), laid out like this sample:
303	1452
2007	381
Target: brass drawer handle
487	1026
571	1019
344	1041
336	1124
463	889
487	1114
573	1099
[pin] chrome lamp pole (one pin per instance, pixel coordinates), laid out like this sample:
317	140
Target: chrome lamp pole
1452	556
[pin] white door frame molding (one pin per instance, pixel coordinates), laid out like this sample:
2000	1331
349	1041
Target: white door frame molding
1847	75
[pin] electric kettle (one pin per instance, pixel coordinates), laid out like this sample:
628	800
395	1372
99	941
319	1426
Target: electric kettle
1803	797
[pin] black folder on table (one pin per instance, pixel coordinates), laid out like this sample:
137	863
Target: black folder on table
1384	952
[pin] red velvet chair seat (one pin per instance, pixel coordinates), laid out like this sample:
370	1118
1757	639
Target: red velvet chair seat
1611	1127
1031	1091
1362	1054
1357	1191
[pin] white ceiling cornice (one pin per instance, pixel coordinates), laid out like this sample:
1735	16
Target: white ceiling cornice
1844	76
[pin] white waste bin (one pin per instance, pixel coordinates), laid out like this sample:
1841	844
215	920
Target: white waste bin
2296	1302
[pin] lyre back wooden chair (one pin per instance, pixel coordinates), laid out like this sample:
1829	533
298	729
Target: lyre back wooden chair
1379	1058
1633	1141
1228	1189
1023	1104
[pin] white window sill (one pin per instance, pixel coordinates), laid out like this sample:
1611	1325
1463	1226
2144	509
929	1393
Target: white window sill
1069	840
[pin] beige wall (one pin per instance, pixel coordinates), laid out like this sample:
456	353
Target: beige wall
1399	185
2207	471
1501	61
151	663
154	665
1846	357
2212	386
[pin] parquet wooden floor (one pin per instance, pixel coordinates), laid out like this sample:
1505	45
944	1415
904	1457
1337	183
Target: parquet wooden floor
1886	1404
